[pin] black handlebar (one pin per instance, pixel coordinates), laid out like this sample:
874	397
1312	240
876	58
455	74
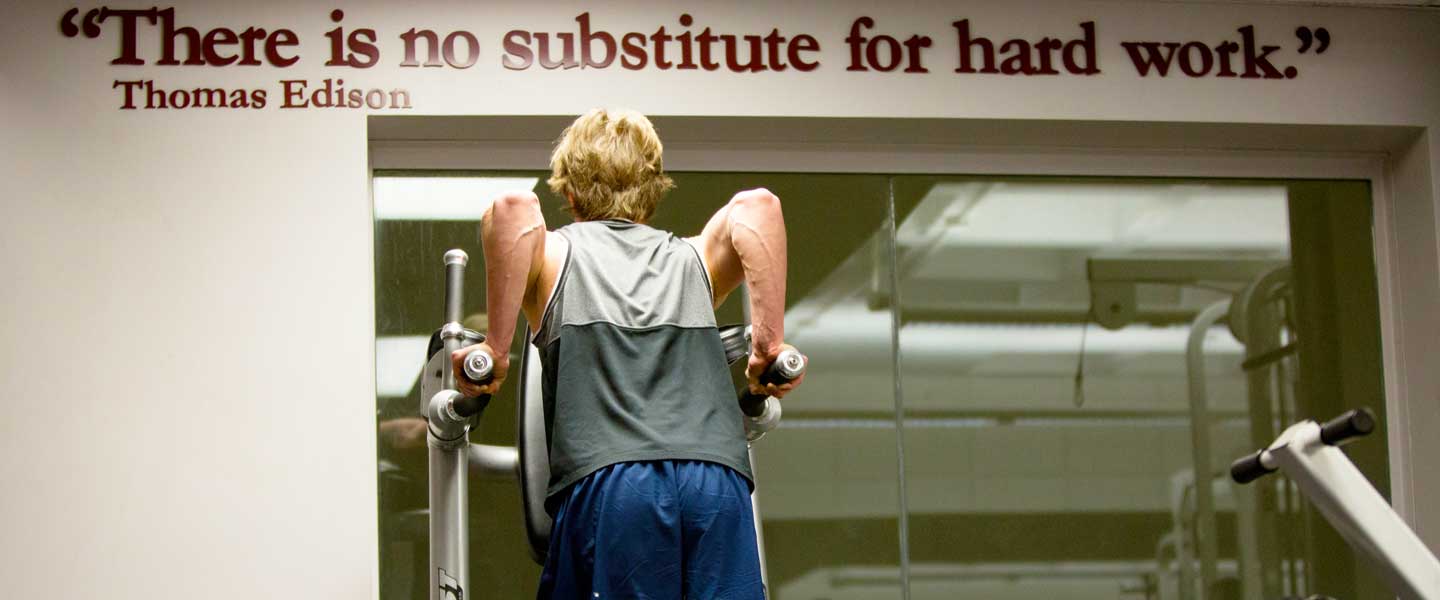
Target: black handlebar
468	407
1346	427
786	367
1248	468
1339	430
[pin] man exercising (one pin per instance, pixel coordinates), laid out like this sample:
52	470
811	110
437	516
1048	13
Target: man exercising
649	470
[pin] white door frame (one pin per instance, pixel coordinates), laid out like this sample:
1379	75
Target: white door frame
1260	151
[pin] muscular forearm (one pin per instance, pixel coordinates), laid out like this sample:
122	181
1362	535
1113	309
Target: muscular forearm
511	234
757	232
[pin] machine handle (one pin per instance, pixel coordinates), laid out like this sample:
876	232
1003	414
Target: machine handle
1346	427
1249	468
455	261
787	367
479	367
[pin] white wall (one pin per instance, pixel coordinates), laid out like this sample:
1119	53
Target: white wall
188	295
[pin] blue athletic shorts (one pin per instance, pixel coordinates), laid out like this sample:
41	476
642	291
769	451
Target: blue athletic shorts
654	530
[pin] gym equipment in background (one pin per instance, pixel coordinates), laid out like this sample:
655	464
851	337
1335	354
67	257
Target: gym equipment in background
1255	314
451	416
1309	454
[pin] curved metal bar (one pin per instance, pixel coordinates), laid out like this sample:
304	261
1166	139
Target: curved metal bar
494	461
1261	335
1205	537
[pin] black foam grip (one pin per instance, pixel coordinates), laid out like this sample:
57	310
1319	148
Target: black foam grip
1353	424
1248	468
754	404
468	407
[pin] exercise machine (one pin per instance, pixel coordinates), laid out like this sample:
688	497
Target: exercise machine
1255	313
451	416
1309	454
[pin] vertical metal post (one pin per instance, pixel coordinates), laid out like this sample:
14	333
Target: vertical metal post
1249	553
1261	335
449	536
1205	537
755	495
448	442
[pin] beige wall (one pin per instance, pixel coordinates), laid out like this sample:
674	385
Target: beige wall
188	295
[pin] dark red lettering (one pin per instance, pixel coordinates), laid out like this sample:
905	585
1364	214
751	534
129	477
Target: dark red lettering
1224	51
518	55
857	44
872	53
282	38
732	58
471	44
248	39
967	43
567	61
913	44
432	48
660	38
705	39
1044	51
168	35
1018	63
633	45
1086	44
129	86
294	90
772	50
129	19
219	36
803	43
1152	58
1206	60
586	36
1257	65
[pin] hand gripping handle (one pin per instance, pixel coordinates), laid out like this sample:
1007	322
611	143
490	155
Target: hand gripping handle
788	366
479	367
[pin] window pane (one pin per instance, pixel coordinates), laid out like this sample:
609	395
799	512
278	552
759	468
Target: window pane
1049	456
826	481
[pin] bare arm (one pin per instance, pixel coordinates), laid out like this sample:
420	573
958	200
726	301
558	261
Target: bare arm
745	240
512	235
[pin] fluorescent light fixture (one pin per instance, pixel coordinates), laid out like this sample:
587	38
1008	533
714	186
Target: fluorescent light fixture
398	361
441	198
958	339
1094	215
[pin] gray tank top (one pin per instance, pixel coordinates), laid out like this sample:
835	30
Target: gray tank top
633	365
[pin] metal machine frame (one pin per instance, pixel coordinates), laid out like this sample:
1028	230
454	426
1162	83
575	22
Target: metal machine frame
1309	454
1114	300
452	458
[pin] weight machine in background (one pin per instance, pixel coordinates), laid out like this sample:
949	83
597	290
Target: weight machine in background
1291	321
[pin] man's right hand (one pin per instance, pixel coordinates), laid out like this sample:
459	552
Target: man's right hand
760	361
475	389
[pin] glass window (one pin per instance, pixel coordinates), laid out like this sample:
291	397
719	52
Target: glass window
1045	398
1050	395
827	484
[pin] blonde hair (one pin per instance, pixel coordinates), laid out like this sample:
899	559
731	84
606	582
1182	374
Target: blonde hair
608	163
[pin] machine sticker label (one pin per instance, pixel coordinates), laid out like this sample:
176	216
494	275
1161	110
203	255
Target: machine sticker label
449	588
